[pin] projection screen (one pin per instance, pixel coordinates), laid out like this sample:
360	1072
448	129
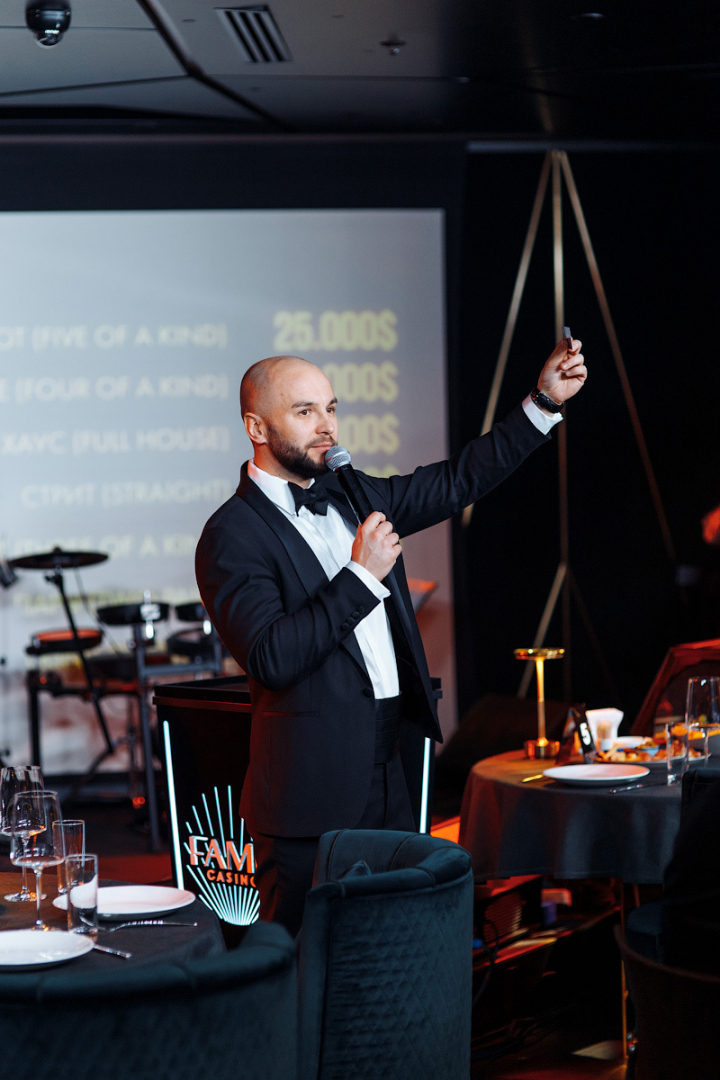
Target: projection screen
124	337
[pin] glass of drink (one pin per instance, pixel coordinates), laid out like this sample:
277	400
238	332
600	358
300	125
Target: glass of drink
702	706
676	741
68	839
13	780
32	814
81	878
604	737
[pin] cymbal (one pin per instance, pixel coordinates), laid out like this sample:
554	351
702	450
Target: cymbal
48	560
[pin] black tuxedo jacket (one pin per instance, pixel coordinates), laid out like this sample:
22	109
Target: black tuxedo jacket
291	629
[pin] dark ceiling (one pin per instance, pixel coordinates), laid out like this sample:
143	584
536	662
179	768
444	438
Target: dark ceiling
626	69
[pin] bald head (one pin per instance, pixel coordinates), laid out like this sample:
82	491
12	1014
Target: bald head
288	408
261	382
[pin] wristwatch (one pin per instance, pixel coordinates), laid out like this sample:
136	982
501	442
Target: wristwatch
544	402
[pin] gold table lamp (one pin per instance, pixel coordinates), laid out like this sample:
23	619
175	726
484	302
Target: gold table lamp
542	747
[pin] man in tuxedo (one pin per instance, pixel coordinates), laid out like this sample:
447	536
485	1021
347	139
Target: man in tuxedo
294	585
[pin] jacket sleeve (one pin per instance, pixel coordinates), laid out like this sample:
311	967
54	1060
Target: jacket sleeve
433	493
240	589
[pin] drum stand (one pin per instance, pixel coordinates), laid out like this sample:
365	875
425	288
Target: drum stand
57	579
141	617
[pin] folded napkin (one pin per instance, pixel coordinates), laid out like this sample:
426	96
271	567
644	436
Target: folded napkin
607	717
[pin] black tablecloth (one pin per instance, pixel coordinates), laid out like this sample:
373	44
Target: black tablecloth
513	828
148	944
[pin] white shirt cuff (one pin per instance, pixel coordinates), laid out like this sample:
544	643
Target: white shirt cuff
376	587
542	421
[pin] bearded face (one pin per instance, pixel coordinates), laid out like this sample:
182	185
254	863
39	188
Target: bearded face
295	458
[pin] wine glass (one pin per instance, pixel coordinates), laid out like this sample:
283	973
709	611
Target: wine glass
702	706
32	814
13	780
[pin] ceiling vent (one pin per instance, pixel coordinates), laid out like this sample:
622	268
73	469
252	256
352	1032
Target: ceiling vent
257	34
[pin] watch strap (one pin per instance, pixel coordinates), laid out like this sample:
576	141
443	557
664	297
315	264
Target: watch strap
545	402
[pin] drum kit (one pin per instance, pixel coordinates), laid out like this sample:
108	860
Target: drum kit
131	673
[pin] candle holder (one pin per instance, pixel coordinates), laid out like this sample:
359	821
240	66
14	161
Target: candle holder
542	747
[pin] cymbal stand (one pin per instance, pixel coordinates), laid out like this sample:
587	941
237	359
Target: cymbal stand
57	579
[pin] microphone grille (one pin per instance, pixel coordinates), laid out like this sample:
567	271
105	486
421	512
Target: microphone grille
336	457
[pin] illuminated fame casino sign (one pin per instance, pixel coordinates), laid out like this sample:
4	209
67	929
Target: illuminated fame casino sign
220	858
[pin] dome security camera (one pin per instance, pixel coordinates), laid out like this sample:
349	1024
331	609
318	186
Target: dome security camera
47	20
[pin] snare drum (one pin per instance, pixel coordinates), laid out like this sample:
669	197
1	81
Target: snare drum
63	641
194	611
194	644
133	614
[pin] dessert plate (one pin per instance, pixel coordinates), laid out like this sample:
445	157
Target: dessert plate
123	901
596	775
31	949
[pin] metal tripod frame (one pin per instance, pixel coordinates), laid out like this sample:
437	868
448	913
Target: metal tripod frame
564	587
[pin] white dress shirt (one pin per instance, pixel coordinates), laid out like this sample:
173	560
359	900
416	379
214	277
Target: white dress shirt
331	539
543	421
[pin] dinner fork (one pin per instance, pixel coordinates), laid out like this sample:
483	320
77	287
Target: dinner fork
634	787
144	922
112	952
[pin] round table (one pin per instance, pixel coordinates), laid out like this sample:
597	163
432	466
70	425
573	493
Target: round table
542	827
148	944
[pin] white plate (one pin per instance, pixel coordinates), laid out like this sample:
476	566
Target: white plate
589	775
661	765
629	742
136	901
32	948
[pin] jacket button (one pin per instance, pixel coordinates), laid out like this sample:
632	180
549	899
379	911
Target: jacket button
345	626
367	692
356	614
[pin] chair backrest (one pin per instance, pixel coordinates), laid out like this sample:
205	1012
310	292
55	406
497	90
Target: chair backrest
676	1019
666	696
225	1017
696	783
386	959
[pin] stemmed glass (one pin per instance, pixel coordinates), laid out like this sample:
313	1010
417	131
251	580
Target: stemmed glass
32	814
702	706
13	780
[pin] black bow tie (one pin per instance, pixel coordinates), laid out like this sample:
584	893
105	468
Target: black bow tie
315	498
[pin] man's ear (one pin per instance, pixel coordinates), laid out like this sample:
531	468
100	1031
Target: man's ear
255	427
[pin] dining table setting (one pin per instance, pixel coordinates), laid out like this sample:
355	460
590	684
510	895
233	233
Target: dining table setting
515	820
137	925
70	916
601	805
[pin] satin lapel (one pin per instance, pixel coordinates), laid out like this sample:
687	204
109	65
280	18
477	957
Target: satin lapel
343	507
301	555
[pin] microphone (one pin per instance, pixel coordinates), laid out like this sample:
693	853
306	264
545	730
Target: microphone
338	460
